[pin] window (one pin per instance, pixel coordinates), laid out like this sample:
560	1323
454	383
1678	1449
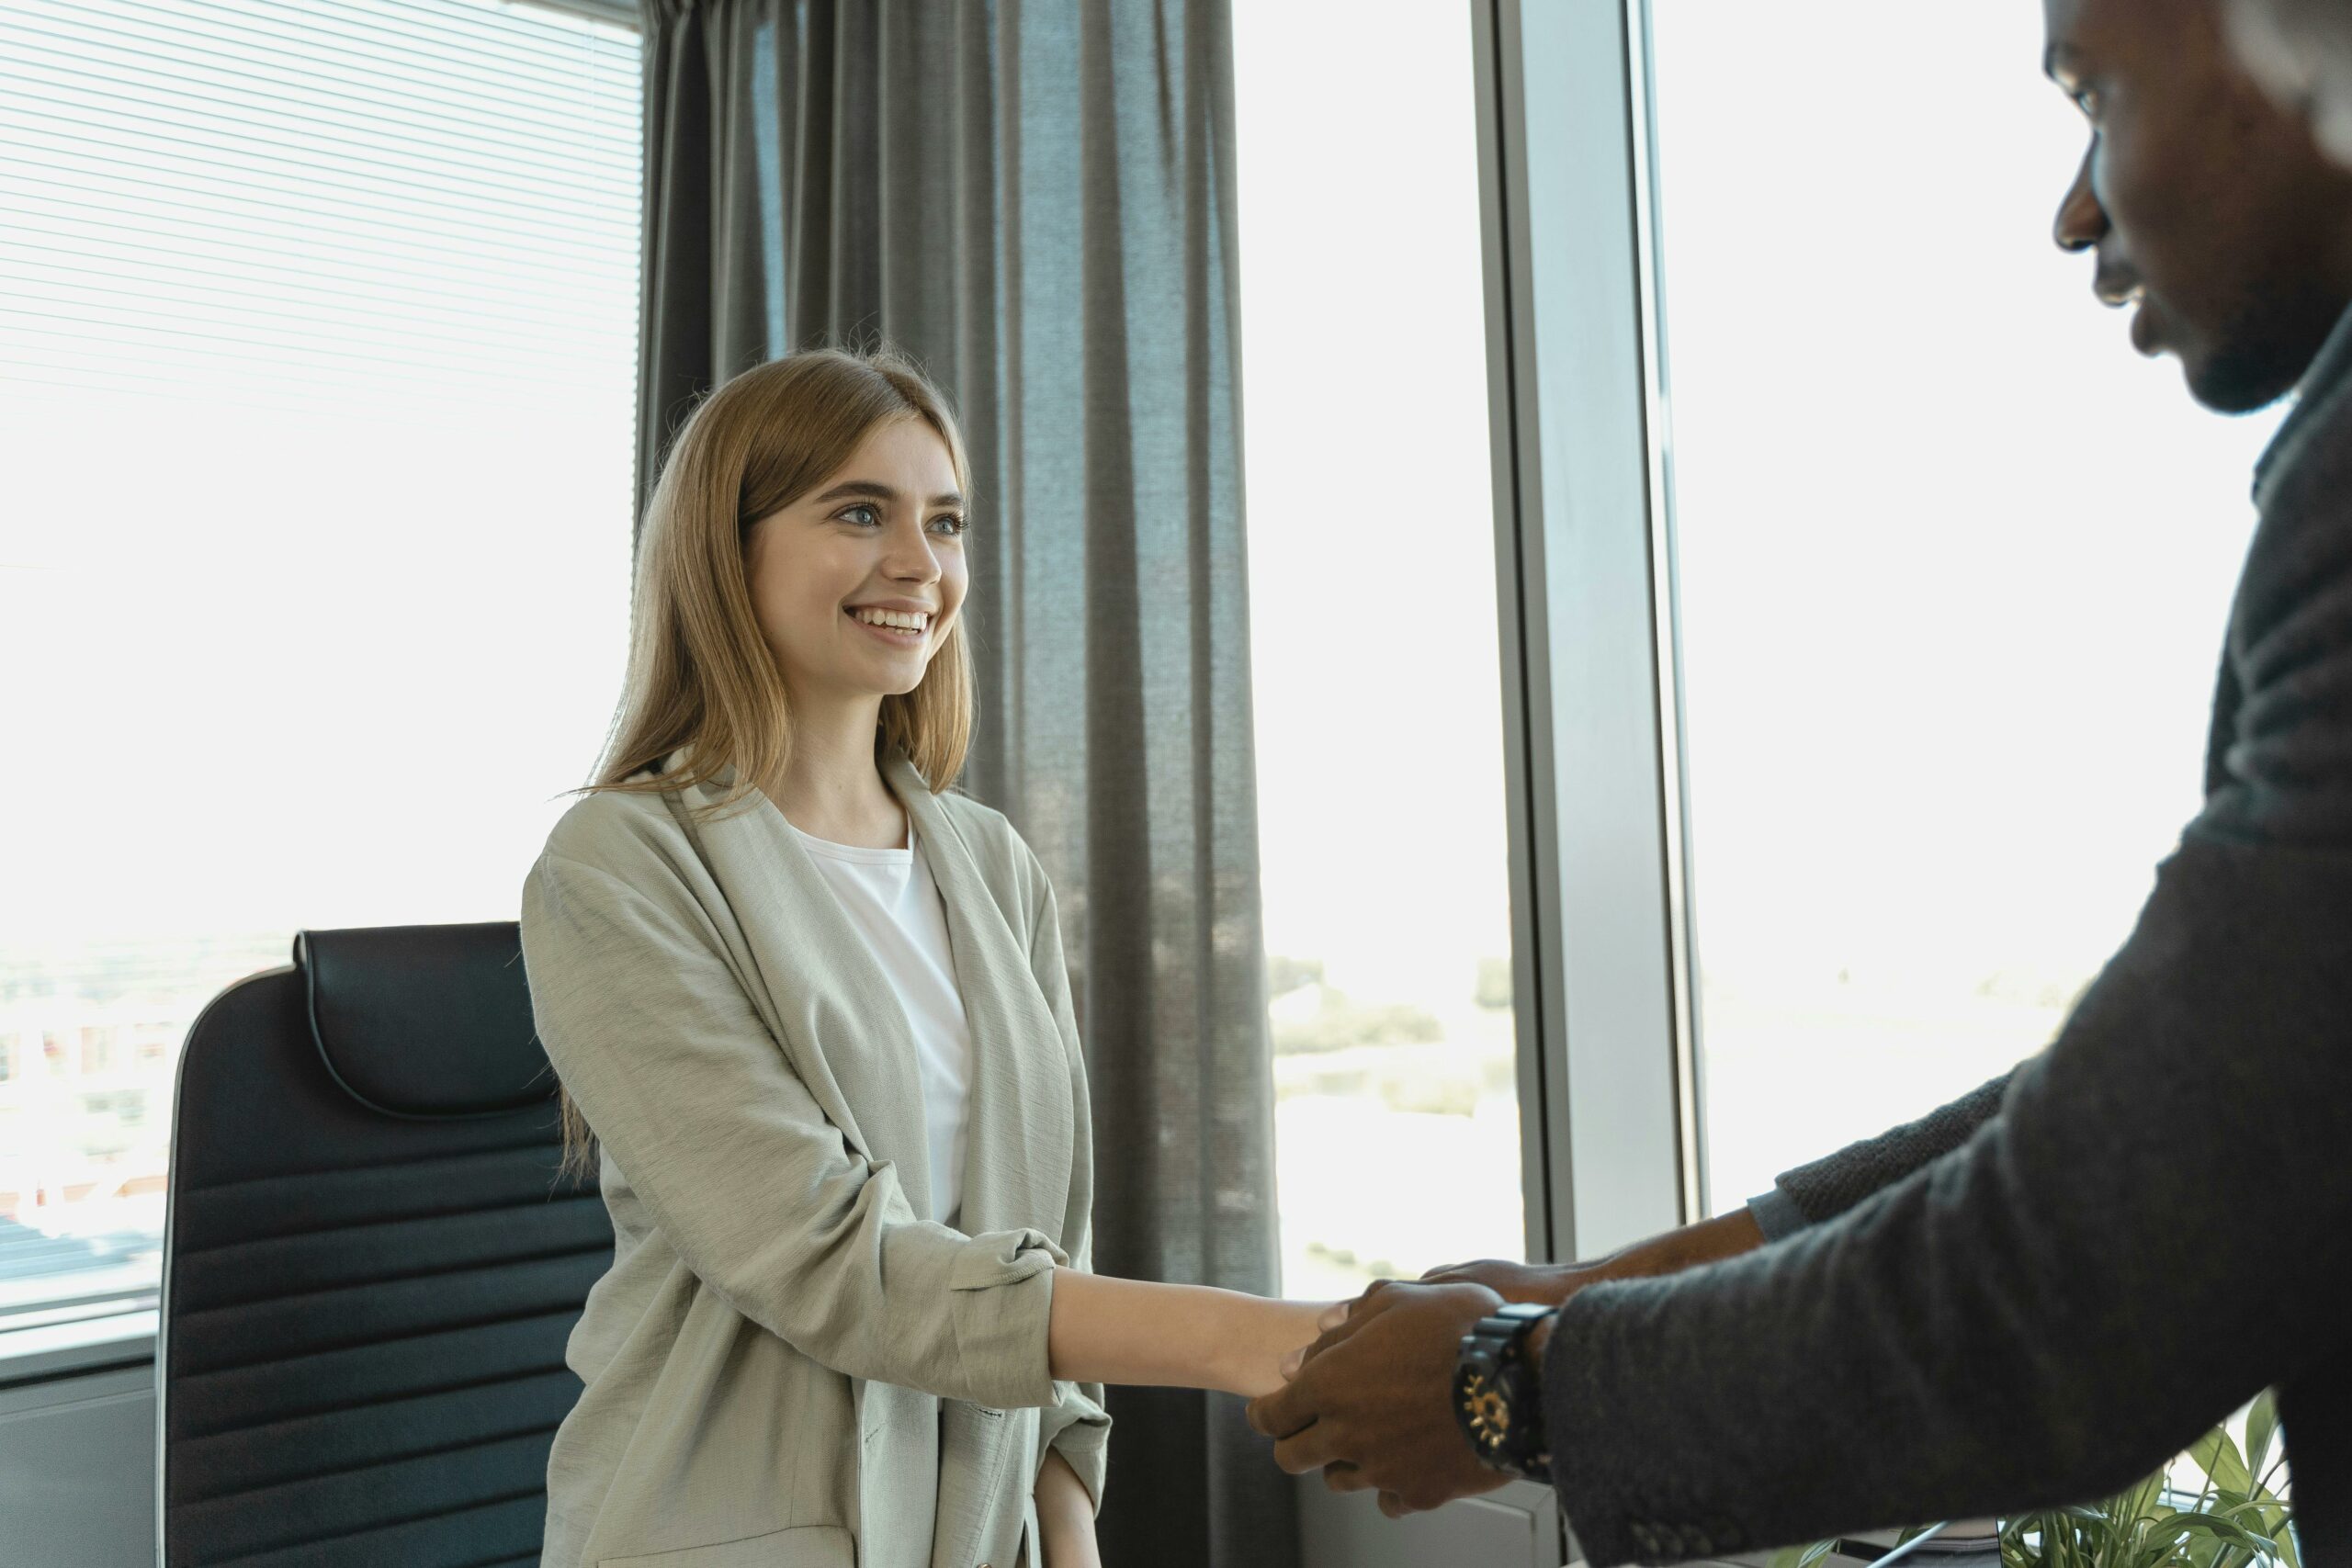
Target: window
1382	825
320	327
1954	565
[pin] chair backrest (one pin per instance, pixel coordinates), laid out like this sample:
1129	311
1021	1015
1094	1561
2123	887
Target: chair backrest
370	1263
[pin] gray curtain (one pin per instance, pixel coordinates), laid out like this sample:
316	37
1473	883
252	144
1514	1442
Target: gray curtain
1037	200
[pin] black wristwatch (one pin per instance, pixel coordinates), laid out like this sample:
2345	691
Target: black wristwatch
1498	1398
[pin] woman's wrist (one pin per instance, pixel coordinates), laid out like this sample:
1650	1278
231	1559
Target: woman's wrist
1109	1330
1259	1334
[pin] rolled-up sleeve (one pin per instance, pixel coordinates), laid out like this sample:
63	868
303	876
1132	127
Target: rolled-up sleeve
692	1097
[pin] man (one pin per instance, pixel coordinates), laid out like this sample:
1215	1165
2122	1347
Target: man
2039	1293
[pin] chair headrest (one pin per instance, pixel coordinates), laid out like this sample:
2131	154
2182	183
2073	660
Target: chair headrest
426	1021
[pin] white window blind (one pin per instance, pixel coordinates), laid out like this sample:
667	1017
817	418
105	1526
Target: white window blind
317	380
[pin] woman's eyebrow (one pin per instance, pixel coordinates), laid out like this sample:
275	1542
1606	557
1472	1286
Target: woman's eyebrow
867	489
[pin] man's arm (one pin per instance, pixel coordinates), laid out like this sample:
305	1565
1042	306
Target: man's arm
2147	1234
1810	1194
2042	1316
2047	1313
1814	1193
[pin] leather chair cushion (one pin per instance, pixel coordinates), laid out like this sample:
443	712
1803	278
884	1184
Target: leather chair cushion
426	1021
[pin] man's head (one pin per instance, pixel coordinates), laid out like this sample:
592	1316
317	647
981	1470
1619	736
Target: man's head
2205	204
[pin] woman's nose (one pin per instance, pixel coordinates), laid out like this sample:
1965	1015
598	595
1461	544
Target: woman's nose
911	558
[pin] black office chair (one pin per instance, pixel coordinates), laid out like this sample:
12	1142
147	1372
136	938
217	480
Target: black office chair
370	1264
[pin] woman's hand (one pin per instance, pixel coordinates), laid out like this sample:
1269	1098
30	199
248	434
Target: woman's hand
1065	1518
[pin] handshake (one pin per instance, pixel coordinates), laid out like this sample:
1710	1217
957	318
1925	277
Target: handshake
1371	1402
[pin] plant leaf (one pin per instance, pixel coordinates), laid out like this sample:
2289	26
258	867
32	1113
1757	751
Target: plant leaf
1803	1556
2227	1529
2261	1429
2218	1456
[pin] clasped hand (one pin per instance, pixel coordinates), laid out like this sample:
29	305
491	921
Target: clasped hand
1371	1402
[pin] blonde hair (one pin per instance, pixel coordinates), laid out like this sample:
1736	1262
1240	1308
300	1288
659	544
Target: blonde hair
701	677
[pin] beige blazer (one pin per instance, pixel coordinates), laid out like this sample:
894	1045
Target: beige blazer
791	1363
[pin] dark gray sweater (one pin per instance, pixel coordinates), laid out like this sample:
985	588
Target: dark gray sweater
2037	1295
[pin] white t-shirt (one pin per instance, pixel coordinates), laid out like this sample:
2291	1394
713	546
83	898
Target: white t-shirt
890	898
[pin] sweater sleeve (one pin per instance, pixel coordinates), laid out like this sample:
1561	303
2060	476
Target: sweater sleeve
1828	1187
655	1037
2098	1272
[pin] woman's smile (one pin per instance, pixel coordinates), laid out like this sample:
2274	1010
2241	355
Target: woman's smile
895	626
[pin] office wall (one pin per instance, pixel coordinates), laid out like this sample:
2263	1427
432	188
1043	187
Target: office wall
77	1472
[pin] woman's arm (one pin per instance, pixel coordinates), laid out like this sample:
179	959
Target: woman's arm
1065	1518
1134	1331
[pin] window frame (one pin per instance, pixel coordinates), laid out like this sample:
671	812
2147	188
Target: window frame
1592	698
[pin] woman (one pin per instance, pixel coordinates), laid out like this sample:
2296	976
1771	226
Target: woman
813	1009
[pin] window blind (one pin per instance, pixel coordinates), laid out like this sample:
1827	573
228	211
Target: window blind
420	199
318	328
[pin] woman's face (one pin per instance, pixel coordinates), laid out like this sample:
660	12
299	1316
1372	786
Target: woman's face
858	584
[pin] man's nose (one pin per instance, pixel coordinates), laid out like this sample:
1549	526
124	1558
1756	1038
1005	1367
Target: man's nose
2082	222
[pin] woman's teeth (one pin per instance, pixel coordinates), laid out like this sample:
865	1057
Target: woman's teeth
895	620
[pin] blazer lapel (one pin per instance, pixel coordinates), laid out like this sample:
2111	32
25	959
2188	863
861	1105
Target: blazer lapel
1021	1140
824	992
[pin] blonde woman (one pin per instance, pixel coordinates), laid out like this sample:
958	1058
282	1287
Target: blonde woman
811	1008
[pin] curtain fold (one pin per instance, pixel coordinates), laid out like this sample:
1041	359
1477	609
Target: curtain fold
1037	201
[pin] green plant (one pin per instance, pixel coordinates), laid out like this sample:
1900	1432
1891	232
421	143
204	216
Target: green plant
2233	1519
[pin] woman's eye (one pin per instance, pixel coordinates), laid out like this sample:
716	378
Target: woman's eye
863	515
947	523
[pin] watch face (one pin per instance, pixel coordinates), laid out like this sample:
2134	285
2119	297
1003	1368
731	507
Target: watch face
1484	1412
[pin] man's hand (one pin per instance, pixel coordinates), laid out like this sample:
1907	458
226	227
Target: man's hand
1545	1284
1374	1400
1551	1284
